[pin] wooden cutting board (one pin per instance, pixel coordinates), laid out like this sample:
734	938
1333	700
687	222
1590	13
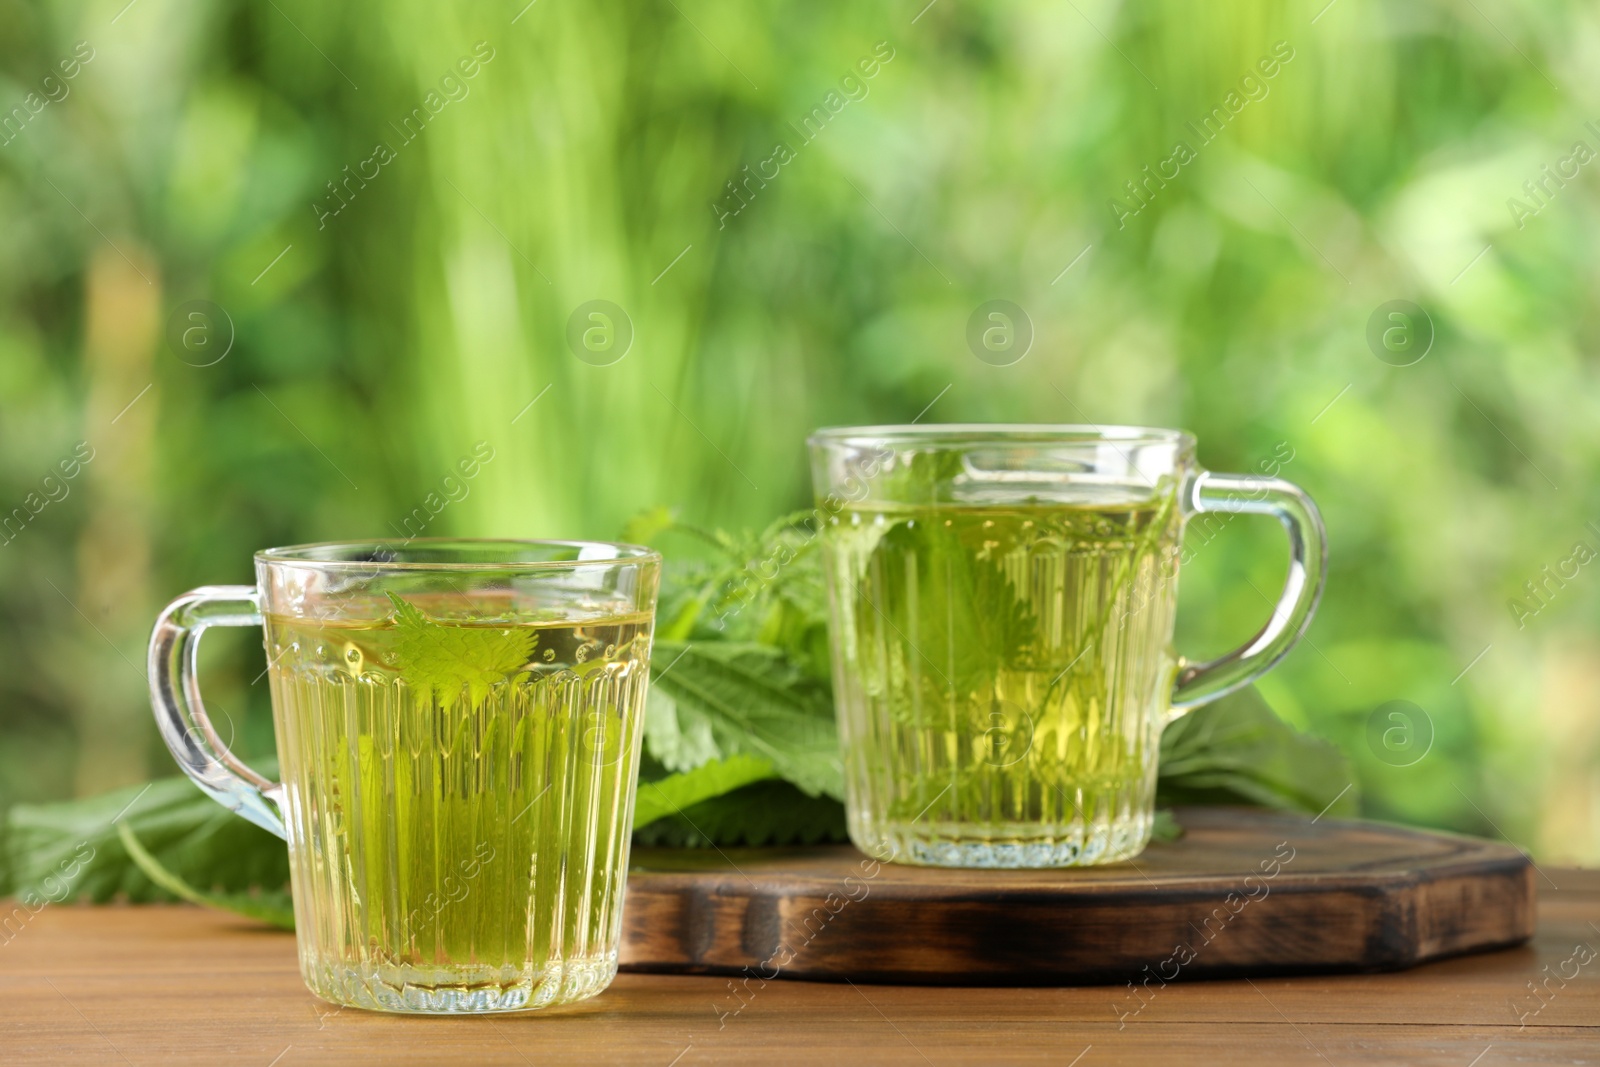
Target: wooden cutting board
1242	893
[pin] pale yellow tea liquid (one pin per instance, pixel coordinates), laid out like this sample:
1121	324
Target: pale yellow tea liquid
458	819
1002	673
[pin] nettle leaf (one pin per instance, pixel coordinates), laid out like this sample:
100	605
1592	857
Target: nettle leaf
649	524
672	794
679	742
438	661
762	587
712	700
72	849
957	610
276	909
1236	750
772	812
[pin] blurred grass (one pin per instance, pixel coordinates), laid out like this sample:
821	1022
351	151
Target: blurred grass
587	155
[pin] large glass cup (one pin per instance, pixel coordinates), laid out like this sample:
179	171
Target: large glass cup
458	728
1002	603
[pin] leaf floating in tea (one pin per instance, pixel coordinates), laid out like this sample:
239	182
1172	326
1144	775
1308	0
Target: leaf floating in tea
953	603
1004	665
439	661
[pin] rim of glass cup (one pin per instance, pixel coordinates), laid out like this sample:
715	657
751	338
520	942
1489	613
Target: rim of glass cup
368	555
972	433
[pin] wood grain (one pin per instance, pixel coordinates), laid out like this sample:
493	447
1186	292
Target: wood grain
1243	892
180	986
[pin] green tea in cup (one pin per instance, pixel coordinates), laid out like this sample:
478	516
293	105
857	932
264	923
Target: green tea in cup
458	728
1001	603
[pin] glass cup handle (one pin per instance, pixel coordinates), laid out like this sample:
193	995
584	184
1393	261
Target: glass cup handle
181	714
1200	683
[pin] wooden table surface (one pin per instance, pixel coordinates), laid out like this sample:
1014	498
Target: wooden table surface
178	985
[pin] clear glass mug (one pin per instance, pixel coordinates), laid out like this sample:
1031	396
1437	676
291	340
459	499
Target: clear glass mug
1001	601
458	728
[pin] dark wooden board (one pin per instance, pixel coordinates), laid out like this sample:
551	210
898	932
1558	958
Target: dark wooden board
1242	893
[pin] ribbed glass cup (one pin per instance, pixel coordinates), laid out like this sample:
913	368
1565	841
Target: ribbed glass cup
458	734
1001	603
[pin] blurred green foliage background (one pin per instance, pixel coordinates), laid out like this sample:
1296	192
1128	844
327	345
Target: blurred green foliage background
391	295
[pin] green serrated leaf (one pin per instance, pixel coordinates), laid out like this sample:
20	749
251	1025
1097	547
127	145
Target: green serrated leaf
964	644
76	842
1236	750
672	794
275	909
649	524
762	587
678	742
719	699
766	813
438	662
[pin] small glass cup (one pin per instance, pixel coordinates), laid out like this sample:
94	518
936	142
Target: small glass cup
458	728
1001	601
